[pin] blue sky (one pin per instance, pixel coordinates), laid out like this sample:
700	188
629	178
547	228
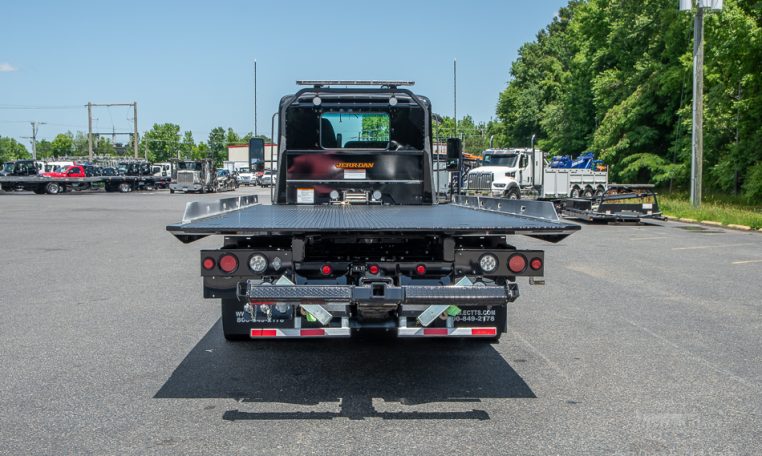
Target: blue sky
191	62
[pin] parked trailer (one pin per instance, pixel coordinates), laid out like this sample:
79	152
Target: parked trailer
355	239
620	203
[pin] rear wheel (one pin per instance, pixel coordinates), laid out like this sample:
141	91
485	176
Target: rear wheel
600	191
588	192
171	191
125	187
575	192
53	188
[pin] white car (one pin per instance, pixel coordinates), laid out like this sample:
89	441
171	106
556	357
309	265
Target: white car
268	178
246	177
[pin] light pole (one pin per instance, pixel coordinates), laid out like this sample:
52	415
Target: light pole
697	141
255	98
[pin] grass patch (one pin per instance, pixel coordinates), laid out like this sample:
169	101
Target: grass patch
721	209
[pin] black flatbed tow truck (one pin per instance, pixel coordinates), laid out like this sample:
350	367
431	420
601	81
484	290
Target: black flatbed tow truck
356	239
55	185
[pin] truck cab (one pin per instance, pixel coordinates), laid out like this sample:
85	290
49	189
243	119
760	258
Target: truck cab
505	173
193	176
23	168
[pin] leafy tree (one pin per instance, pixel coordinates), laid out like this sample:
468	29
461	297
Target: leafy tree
615	76
44	149
231	137
103	146
162	142
200	151
10	149
187	145
80	144
63	145
217	145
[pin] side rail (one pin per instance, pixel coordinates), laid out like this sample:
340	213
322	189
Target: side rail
201	209
544	210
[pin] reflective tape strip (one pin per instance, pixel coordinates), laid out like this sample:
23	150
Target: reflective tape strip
303	332
447	332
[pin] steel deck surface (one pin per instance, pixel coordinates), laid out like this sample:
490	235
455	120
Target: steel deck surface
445	218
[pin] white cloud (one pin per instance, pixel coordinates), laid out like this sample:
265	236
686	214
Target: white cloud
7	68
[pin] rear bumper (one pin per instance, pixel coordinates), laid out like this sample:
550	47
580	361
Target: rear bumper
382	294
185	187
418	311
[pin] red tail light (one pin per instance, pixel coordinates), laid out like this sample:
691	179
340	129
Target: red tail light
208	264
517	263
374	269
420	269
326	269
535	264
228	263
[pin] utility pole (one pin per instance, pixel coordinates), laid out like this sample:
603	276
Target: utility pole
697	140
455	93
135	129
697	157
90	130
255	98
133	133
34	138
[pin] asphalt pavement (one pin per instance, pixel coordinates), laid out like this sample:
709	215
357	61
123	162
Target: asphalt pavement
647	339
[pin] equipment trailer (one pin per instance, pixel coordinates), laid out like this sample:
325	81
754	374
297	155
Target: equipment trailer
355	239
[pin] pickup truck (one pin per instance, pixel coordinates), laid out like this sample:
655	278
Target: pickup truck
356	239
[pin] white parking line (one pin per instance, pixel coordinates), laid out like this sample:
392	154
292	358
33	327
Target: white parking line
649	238
747	262
699	247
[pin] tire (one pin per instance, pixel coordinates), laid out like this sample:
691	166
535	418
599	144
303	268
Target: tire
575	192
171	191
203	190
588	193
53	188
513	194
600	191
125	187
231	329
40	190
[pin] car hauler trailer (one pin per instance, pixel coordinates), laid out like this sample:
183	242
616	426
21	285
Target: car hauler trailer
355	239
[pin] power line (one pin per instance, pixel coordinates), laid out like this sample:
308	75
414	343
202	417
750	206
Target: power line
40	107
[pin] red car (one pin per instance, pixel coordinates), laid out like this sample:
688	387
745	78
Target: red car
70	171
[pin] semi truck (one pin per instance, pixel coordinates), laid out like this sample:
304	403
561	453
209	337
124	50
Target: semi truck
585	193
355	239
193	176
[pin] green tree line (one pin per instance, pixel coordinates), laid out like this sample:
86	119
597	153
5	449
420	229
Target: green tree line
615	77
161	143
